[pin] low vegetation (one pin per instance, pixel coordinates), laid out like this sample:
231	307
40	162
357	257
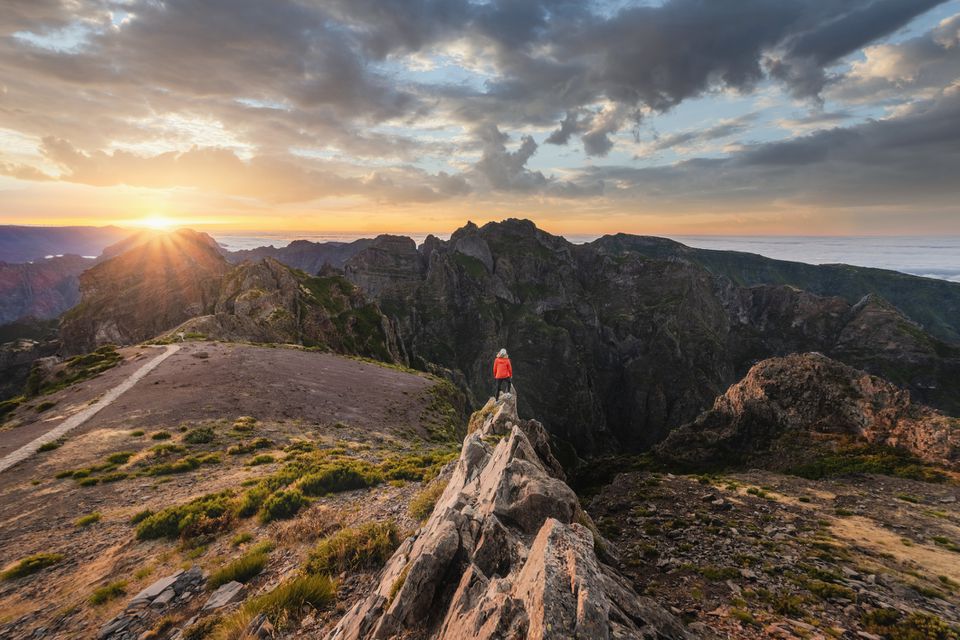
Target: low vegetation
422	504
30	565
279	605
870	459
76	369
109	592
242	569
368	546
89	519
206	514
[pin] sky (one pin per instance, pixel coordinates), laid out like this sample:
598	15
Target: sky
741	117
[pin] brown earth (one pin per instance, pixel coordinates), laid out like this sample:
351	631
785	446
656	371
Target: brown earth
371	411
760	555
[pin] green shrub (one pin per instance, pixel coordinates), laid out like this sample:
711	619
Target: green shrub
136	433
421	506
206	513
89	519
893	625
50	446
245	423
161	435
870	459
282	505
109	592
200	435
88	482
30	565
718	573
140	516
45	406
242	448
242	569
113	477
368	546
241	538
166	450
183	465
202	628
120	457
281	604
252	500
339	476
264	458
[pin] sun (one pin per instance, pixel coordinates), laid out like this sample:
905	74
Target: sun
159	223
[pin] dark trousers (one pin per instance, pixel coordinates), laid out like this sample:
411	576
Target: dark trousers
500	384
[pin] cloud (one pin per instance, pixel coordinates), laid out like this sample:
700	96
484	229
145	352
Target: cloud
903	160
288	101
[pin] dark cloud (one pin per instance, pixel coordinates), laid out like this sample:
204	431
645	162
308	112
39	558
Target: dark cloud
280	77
905	160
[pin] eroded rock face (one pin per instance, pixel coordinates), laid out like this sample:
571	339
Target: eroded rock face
507	553
788	405
639	335
151	288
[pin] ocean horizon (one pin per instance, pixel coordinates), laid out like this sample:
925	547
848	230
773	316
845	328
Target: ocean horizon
926	256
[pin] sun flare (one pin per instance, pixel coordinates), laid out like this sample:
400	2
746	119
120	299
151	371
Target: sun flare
159	223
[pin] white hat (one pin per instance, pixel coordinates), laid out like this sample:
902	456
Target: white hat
502	353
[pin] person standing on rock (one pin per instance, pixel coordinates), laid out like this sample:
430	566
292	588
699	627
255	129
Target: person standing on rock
502	371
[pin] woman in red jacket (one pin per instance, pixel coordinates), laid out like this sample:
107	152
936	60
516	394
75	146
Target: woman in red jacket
502	371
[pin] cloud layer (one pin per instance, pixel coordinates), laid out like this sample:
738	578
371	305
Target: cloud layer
415	101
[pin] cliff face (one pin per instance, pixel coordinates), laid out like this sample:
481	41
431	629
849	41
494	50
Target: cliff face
788	409
179	283
136	295
307	256
614	347
507	553
42	289
268	302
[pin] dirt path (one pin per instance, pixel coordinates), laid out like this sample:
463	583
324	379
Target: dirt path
78	419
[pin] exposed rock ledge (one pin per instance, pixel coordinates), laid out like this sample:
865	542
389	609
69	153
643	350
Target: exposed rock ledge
507	553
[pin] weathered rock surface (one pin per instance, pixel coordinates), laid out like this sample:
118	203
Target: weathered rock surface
639	335
268	302
506	554
800	404
151	288
305	255
166	593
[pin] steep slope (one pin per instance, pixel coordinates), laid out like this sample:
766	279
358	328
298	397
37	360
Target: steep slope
935	304
158	284
43	289
634	345
504	555
305	255
270	303
790	410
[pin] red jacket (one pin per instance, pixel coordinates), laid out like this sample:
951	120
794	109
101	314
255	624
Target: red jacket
502	368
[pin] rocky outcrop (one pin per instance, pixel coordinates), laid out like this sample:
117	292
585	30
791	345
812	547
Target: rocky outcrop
309	257
507	553
151	288
790	409
170	593
270	303
639	336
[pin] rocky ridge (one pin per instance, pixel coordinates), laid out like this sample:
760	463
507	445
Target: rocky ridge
796	407
507	552
637	341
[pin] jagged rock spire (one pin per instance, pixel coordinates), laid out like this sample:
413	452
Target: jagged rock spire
507	553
